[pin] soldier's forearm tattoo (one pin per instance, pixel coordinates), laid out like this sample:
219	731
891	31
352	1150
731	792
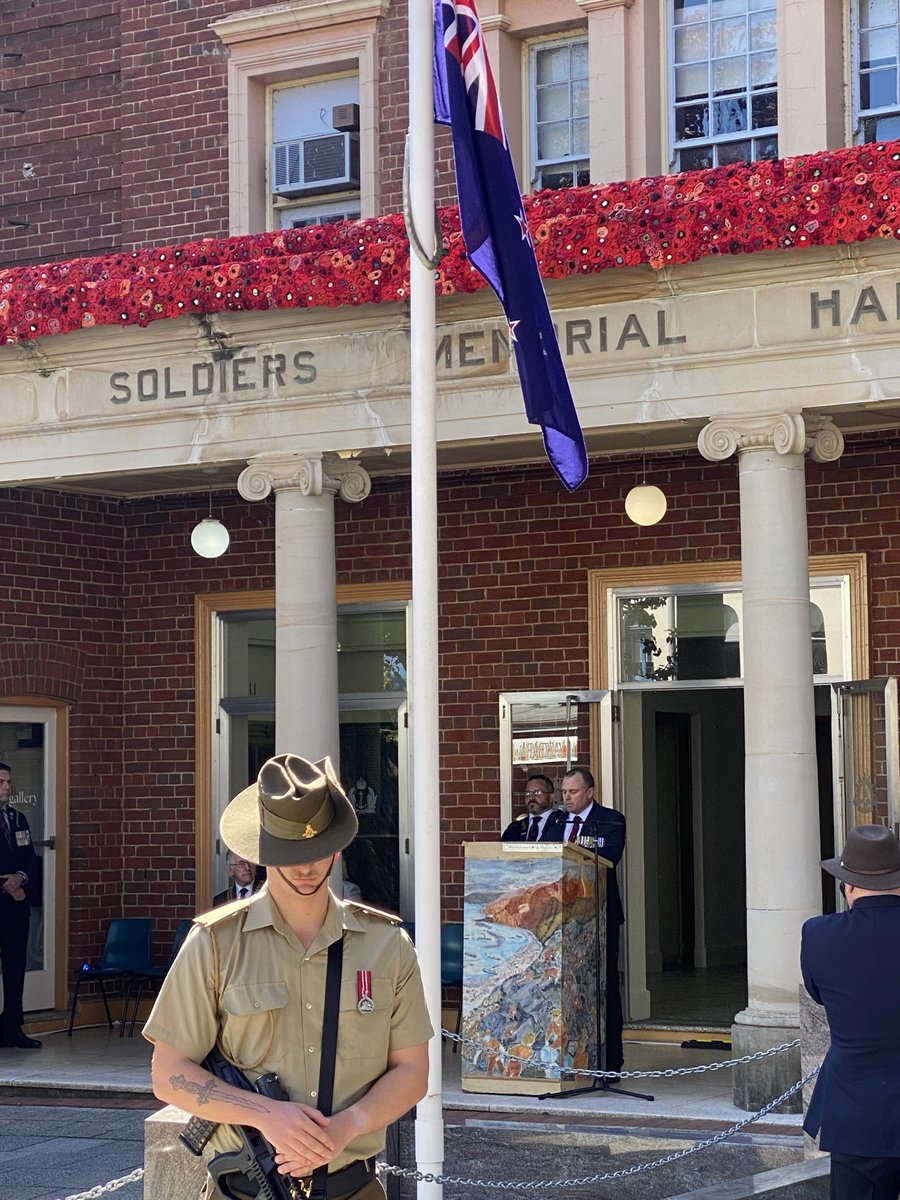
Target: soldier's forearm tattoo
211	1091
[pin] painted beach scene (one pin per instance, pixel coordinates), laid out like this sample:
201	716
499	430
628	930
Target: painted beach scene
529	967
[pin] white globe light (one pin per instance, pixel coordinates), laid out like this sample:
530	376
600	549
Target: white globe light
210	538
646	504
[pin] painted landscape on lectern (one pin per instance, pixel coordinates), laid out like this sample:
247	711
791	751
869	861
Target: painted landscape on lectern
530	982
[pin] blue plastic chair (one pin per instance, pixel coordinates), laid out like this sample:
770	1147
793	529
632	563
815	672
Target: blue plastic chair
152	975
452	965
127	952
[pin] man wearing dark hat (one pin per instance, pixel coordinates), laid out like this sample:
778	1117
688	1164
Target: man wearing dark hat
851	964
251	979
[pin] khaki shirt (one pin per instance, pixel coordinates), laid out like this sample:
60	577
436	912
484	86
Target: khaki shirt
244	981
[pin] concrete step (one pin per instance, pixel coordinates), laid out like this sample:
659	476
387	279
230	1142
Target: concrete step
798	1181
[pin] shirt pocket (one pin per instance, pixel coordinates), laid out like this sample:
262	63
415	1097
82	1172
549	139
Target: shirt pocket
365	1035
251	1012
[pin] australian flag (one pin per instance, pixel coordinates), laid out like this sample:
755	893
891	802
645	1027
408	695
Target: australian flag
496	232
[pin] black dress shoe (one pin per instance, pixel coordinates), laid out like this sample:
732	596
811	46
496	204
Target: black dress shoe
20	1041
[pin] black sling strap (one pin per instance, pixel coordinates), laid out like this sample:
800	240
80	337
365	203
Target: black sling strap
319	1189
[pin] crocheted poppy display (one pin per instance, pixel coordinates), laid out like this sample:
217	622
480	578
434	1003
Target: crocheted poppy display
822	199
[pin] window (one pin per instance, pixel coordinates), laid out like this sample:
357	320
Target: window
691	633
877	47
315	151
559	74
296	62
724	82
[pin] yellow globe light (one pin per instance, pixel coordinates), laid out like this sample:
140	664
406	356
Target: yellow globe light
645	504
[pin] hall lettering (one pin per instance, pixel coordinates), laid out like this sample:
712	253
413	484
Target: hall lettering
822	306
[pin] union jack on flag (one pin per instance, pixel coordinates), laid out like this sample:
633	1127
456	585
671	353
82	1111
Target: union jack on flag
496	231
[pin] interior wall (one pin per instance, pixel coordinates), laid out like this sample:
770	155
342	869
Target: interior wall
718	785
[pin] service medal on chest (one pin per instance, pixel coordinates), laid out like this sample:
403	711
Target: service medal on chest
365	1003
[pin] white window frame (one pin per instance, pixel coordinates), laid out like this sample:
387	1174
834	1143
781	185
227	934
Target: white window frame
860	114
294	42
713	141
537	165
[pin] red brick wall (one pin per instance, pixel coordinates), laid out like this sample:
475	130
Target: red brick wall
113	585
120	107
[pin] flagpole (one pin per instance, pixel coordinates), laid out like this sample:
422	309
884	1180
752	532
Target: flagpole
423	685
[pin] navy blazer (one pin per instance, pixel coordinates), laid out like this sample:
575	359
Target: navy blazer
607	825
21	855
851	964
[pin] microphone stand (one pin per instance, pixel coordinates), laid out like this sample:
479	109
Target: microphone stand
597	1084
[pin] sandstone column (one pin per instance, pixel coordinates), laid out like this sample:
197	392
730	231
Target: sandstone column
306	672
781	787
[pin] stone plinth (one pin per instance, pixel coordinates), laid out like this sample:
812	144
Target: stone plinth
169	1169
815	1038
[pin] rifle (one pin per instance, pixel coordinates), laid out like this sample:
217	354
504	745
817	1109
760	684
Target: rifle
256	1157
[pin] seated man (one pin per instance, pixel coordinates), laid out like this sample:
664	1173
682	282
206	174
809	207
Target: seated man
539	802
584	817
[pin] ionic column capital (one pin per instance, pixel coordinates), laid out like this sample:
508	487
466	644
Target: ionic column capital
312	475
786	433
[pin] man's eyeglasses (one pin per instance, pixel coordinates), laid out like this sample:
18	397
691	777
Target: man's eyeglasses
539	792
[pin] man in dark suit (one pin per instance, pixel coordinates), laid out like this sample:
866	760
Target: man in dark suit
18	862
539	797
244	879
851	964
583	817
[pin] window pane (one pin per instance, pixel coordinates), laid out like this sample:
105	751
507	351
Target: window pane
878	89
700	159
580	142
552	65
583	175
877	12
763	32
580	98
688	11
691	82
765	111
881	129
766	147
553	103
372	652
729	37
728	8
579	66
691	43
878	48
556	177
730	116
692	121
729	75
553	140
735	152
763	69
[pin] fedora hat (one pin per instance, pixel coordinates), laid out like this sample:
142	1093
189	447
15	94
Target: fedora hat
870	859
295	813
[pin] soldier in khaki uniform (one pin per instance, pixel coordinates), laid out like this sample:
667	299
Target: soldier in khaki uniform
250	978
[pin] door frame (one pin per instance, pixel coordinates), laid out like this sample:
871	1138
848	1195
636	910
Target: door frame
57	827
207	606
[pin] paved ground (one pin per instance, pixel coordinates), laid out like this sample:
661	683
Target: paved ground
50	1151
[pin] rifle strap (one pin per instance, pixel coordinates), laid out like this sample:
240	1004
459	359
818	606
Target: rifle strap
319	1188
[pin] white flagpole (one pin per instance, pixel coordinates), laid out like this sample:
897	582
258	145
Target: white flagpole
423	685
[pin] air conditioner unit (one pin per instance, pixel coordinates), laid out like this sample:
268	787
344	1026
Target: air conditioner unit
306	166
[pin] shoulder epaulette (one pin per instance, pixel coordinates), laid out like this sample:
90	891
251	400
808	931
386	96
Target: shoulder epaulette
383	913
222	912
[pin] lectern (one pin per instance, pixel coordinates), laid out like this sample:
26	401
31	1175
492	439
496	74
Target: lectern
533	965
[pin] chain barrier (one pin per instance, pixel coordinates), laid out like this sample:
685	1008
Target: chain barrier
113	1186
553	1071
534	1185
